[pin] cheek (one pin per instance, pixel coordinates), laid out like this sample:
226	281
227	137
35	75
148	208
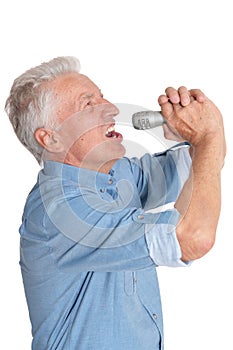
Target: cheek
89	140
93	137
74	135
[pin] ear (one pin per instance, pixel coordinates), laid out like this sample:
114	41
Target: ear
49	140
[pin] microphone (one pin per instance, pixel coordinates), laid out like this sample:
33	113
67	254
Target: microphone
147	120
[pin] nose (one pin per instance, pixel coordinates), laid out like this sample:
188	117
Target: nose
110	108
114	109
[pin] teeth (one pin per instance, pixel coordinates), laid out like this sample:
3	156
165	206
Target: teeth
111	129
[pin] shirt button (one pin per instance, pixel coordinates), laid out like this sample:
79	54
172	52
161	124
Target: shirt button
102	190
140	217
110	181
155	316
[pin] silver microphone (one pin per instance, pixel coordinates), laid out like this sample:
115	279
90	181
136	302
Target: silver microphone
147	120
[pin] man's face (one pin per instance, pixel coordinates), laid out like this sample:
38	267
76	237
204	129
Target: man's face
86	124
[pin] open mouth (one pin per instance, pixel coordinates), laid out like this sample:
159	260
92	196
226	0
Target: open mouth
111	133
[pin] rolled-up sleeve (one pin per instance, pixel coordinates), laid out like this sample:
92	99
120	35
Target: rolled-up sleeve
160	179
162	241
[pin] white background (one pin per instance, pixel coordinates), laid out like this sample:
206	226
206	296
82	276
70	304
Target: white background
133	50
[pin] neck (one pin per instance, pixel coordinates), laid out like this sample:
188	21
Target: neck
105	168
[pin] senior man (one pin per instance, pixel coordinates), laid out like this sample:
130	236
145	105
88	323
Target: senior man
91	238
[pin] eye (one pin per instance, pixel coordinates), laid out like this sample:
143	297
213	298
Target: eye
88	103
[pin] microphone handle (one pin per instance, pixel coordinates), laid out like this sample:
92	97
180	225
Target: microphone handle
147	120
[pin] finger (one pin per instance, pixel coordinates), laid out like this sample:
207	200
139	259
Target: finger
173	95
197	94
162	99
167	110
184	96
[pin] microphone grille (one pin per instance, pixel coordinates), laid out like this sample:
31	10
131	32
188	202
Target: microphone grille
147	119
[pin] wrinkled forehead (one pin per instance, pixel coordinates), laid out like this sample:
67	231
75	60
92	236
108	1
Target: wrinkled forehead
72	83
69	90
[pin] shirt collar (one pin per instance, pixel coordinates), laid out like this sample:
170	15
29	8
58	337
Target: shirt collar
66	171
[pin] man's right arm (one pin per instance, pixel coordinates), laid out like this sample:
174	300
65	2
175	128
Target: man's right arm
199	203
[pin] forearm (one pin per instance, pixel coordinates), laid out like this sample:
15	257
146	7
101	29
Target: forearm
200	200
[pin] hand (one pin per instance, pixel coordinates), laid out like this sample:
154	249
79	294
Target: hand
190	115
181	96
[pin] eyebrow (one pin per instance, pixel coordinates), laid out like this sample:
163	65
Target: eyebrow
83	96
88	95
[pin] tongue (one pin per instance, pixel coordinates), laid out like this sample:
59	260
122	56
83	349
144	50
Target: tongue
111	134
114	134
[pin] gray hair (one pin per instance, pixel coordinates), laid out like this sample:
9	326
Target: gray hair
30	107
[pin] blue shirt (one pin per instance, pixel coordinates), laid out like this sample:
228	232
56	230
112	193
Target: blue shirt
90	244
